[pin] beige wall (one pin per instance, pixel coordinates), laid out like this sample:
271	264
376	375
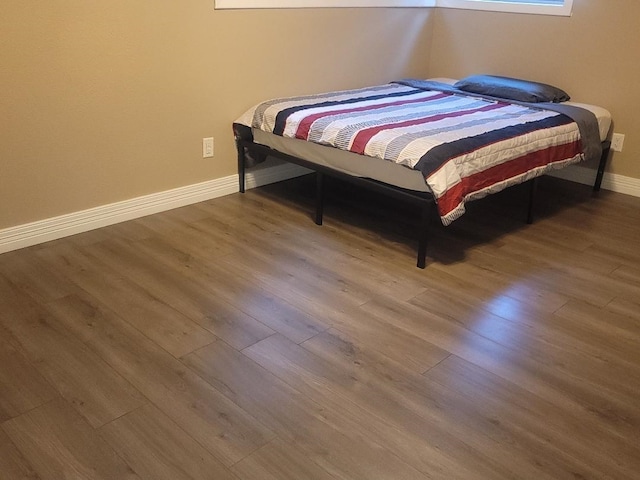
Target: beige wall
594	55
107	101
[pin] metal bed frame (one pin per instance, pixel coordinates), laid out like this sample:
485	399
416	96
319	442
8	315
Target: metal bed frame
246	146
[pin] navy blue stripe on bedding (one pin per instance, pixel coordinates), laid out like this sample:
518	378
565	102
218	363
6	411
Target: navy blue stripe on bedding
281	118
437	156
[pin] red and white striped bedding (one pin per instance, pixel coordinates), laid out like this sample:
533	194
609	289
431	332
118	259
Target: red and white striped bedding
465	146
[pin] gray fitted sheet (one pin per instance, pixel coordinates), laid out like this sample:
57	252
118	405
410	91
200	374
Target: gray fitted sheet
346	162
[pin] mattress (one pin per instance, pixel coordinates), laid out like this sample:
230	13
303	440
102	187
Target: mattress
376	168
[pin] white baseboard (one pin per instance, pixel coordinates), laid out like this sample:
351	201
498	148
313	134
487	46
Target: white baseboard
21	236
610	181
34	233
271	173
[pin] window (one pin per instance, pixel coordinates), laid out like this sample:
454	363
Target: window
546	7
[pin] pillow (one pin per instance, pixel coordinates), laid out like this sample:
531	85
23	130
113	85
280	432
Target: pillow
512	89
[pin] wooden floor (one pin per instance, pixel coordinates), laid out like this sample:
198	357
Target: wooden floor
235	339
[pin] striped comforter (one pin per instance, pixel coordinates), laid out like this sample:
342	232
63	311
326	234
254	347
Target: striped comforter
465	146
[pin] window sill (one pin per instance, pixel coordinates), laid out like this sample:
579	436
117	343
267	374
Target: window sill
239	4
564	10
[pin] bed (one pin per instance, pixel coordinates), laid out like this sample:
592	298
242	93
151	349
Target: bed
437	142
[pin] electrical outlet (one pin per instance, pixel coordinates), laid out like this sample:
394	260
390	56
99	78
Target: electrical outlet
617	142
207	147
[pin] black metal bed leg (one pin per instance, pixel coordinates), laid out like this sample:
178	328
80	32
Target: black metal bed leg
242	134
606	148
319	197
533	187
424	235
241	168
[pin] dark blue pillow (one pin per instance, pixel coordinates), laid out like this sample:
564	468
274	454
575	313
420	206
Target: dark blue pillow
512	89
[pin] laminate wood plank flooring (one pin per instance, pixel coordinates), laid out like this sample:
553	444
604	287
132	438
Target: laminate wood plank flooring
235	339
279	460
334	441
12	462
167	327
157	448
23	392
216	422
58	444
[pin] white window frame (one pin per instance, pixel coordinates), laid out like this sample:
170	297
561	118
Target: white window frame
489	5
